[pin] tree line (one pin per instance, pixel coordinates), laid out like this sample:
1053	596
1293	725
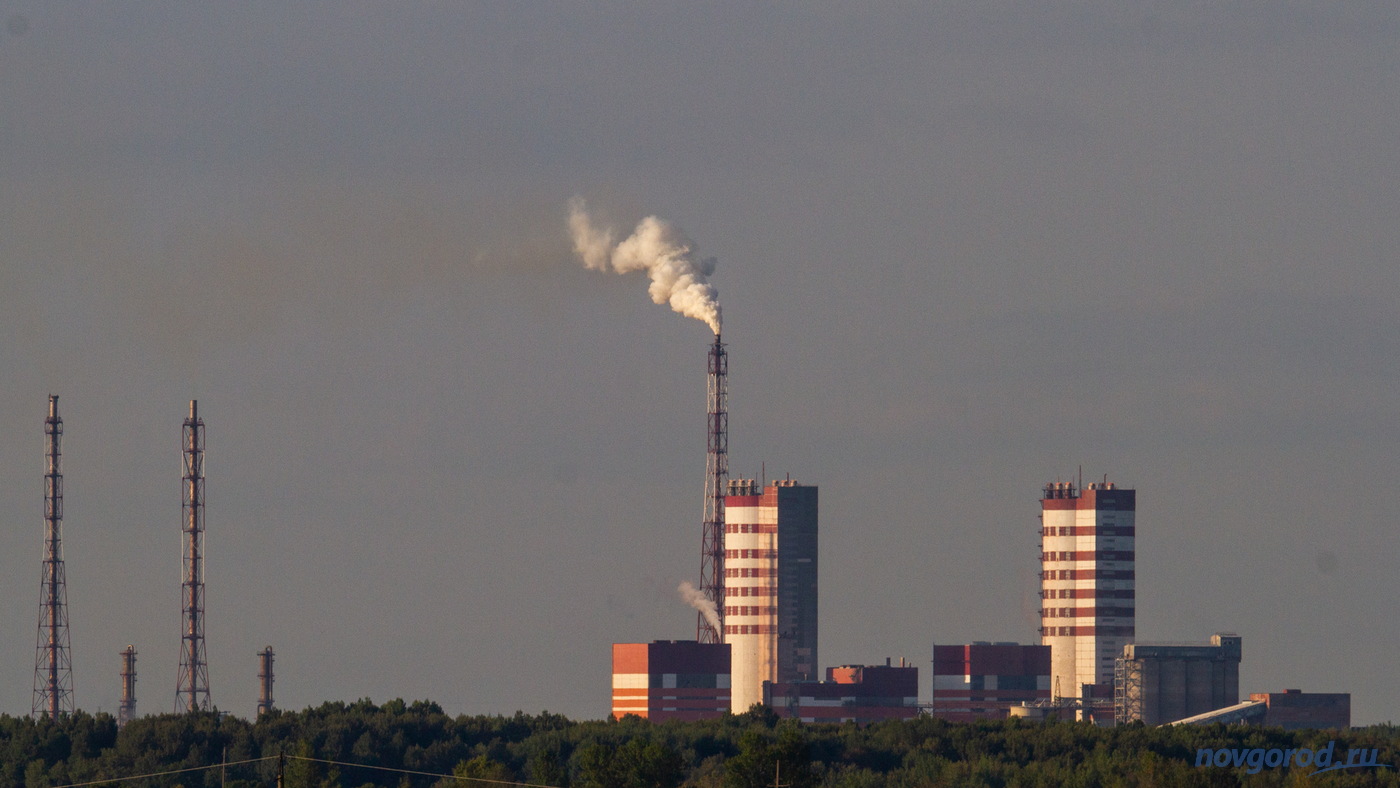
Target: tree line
410	745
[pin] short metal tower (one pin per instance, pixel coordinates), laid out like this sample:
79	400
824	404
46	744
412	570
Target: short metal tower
265	681
192	686
716	480
53	666
126	710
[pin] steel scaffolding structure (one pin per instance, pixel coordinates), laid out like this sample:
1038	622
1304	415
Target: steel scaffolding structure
53	667
716	480
192	686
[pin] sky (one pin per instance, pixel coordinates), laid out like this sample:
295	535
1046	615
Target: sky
962	250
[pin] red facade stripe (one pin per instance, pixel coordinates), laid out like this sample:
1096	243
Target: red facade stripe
1124	630
1088	612
1057	556
750	528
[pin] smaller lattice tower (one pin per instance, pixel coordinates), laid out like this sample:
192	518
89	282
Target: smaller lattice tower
126	711
716	484
192	686
265	681
53	666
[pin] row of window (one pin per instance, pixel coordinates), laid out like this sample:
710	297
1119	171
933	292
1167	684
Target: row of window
757	571
754	553
1087	574
750	610
1109	630
1088	555
1087	593
750	629
1087	612
750	528
734	591
1107	529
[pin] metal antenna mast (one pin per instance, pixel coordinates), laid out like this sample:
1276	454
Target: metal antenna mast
716	479
53	667
126	711
192	686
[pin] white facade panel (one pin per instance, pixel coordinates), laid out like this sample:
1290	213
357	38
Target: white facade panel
952	682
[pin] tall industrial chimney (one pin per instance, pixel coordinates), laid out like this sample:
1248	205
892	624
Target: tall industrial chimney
126	711
265	681
192	686
53	667
716	481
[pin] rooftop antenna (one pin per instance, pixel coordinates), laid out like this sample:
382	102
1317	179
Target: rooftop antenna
53	666
192	686
716	479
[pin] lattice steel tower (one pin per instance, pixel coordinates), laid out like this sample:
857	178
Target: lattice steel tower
126	710
192	686
265	681
716	480
53	666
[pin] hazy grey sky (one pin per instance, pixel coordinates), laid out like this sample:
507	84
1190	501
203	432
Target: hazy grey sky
963	249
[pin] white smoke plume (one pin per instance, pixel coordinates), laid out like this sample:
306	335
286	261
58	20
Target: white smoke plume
699	601
678	276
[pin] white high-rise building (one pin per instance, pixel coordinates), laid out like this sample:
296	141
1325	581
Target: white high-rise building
770	586
1087	583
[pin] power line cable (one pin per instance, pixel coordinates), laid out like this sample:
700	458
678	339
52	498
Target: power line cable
162	774
421	774
305	758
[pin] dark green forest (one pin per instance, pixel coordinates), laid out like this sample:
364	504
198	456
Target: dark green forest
411	745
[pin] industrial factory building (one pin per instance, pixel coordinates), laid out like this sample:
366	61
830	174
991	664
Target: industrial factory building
851	693
770	585
982	681
1294	709
670	680
1087	582
1158	683
1291	710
